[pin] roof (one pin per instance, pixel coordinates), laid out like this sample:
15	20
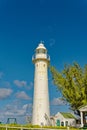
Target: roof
83	108
67	115
41	46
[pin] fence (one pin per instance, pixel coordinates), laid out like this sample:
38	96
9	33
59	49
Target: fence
24	128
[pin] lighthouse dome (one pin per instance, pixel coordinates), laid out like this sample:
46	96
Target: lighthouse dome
41	46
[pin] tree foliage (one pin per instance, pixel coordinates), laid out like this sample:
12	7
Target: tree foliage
72	83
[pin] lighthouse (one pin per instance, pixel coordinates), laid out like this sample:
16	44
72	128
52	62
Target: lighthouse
41	111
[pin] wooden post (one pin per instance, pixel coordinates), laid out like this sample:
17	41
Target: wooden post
81	113
67	128
6	127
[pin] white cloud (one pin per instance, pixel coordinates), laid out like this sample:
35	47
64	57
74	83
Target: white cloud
25	106
57	101
5	92
1	75
22	95
8	113
15	110
29	86
23	84
52	42
20	83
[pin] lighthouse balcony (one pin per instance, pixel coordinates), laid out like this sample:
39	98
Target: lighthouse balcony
40	57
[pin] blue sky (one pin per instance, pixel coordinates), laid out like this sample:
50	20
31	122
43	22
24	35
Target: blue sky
61	24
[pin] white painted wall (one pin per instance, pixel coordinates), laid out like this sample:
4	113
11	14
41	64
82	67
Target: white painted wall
41	93
59	116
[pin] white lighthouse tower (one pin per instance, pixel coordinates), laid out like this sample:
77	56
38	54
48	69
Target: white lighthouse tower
41	112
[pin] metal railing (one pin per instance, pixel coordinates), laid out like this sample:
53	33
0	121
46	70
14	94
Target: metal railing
34	57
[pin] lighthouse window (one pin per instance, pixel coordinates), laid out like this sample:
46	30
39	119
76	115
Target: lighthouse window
37	51
44	65
41	51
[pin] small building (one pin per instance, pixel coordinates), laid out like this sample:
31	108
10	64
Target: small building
83	114
63	119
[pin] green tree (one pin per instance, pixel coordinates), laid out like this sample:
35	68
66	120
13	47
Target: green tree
72	83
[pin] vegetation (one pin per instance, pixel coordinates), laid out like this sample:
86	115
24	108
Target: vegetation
72	83
31	127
